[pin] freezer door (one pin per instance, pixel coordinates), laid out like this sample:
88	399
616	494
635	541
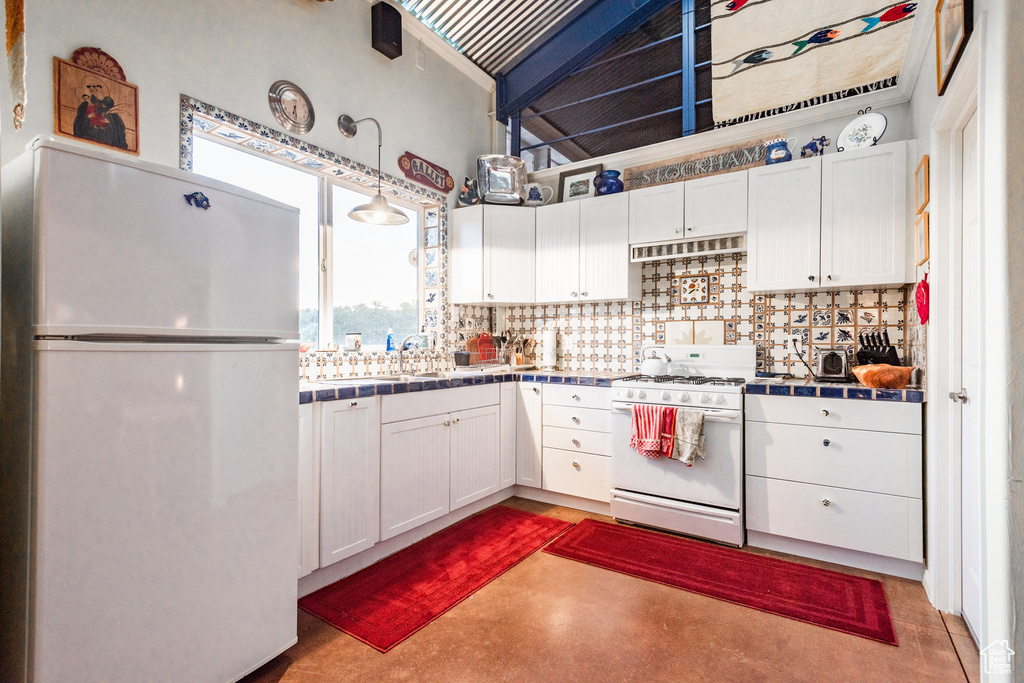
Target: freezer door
119	250
166	515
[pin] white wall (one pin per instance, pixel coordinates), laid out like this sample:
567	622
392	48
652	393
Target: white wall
228	52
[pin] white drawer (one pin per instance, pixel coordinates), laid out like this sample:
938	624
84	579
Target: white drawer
845	413
577	396
589	419
577	474
417	404
868	522
577	440
879	462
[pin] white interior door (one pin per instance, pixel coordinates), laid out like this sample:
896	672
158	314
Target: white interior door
970	434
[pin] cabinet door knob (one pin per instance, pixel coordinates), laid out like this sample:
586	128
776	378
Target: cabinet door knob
575	464
826	443
575	397
824	412
576	443
354	403
455	420
829	278
447	423
584	293
576	420
573	293
811	278
678	230
536	390
689	229
826	502
490	296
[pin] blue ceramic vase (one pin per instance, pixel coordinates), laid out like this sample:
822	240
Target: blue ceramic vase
607	182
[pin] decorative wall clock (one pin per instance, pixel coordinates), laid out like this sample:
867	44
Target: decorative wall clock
291	107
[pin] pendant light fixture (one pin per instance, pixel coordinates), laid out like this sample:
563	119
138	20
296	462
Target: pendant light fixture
378	211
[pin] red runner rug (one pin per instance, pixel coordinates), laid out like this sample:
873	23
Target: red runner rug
387	602
850	604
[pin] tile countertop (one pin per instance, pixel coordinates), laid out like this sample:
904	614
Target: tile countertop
811	389
365	386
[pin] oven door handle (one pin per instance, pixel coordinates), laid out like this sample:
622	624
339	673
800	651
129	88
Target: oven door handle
710	415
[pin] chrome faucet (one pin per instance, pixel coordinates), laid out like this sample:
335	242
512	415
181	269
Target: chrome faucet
401	350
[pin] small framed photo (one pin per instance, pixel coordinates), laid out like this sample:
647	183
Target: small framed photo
921	227
95	108
577	183
921	185
954	21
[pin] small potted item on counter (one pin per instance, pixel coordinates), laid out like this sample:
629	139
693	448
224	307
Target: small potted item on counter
353	341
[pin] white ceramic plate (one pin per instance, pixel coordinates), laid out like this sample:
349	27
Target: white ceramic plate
863	131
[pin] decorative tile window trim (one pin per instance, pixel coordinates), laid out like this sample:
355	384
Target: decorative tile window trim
439	315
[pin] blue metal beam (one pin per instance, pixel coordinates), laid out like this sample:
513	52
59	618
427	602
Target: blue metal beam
689	122
590	33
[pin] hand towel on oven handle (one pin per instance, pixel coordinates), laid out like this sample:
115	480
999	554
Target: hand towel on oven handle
653	430
689	436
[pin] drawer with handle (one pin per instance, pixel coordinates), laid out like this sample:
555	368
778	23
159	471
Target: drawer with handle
577	440
577	396
857	520
848	458
577	474
589	419
844	413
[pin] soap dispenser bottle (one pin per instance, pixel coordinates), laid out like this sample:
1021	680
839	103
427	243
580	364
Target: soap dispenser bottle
391	340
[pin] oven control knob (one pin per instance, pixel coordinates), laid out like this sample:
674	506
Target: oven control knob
720	400
704	398
665	396
629	393
641	394
684	397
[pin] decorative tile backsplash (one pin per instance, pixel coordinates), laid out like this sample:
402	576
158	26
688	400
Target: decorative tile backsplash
609	336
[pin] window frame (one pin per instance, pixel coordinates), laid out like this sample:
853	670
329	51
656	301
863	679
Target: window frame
325	242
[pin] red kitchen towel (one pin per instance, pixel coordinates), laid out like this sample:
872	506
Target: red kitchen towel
653	430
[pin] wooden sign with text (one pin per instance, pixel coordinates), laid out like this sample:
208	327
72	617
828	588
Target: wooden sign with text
419	170
698	165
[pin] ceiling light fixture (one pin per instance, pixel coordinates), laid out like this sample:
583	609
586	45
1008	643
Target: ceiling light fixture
378	211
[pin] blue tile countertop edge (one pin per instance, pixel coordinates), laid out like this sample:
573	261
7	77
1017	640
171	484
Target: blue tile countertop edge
364	386
804	388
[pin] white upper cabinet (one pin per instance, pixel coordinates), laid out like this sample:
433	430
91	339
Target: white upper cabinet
605	269
583	251
715	206
558	252
656	214
784	226
864	217
492	255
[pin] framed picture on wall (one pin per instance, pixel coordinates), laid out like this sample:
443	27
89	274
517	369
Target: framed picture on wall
954	21
577	183
921	185
921	227
95	108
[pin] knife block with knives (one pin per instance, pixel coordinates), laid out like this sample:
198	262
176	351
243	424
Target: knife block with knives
875	348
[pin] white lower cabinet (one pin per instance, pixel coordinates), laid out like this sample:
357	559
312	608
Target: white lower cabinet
583	475
439	462
842	473
309	490
576	441
349	477
529	411
509	401
414	473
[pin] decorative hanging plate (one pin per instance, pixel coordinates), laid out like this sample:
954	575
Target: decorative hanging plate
864	131
921	297
95	59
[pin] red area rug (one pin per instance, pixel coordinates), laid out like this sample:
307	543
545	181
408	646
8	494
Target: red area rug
850	604
387	602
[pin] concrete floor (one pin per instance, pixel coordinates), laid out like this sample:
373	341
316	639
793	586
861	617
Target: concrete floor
553	619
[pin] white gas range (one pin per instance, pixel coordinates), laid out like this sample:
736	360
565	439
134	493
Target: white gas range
705	500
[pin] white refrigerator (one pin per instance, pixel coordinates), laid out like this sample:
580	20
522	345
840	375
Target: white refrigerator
149	381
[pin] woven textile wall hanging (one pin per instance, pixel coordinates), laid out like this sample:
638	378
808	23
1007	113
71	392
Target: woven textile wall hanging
771	53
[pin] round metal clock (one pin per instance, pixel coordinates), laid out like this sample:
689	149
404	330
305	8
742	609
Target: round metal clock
291	107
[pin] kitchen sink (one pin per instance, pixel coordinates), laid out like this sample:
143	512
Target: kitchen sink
367	380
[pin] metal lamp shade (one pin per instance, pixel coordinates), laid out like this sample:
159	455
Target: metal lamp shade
378	212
